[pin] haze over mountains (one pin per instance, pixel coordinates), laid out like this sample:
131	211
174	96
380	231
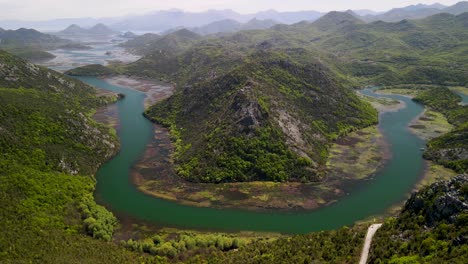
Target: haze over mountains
98	29
160	21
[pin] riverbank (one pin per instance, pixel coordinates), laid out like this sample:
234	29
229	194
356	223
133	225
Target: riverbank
155	91
353	158
428	125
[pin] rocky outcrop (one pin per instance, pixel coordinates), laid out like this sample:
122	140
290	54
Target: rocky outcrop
442	201
447	154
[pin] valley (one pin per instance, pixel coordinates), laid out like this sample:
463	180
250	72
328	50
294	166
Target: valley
260	143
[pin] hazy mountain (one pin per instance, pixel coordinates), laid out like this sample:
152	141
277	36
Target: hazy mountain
226	25
230	25
166	44
98	30
101	29
336	20
288	17
57	24
164	20
72	30
365	12
28	37
457	9
128	35
418	11
160	21
142	43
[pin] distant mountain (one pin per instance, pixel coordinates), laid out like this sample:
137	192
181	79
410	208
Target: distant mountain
230	25
365	12
29	37
128	35
161	21
73	30
259	24
337	20
30	44
97	30
418	11
288	17
141	44
101	29
167	44
226	25
457	9
165	20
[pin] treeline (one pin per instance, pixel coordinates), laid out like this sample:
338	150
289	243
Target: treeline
180	246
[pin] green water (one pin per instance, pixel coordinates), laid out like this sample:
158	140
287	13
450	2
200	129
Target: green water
388	187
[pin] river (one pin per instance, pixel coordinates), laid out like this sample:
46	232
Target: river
390	186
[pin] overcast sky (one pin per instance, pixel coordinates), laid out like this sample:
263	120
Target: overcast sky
50	9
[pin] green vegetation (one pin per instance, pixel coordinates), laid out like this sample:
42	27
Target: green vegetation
238	92
181	245
30	44
261	105
91	70
450	149
426	231
31	54
49	146
260	121
338	246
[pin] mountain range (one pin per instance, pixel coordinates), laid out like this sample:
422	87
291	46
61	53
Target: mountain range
160	21
98	30
238	91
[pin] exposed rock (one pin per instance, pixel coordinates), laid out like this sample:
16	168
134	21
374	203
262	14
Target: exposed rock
442	201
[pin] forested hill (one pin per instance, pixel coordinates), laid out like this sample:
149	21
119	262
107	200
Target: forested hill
49	150
255	86
269	118
29	43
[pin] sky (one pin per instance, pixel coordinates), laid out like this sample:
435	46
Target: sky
51	9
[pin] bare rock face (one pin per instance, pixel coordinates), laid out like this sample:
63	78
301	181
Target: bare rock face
442	201
248	112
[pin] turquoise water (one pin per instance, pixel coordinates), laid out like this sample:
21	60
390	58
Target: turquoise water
463	96
389	186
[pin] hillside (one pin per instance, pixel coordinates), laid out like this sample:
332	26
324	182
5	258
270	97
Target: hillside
141	44
229	25
167	44
226	125
451	149
431	228
418	11
96	30
50	148
28	37
30	44
428	51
